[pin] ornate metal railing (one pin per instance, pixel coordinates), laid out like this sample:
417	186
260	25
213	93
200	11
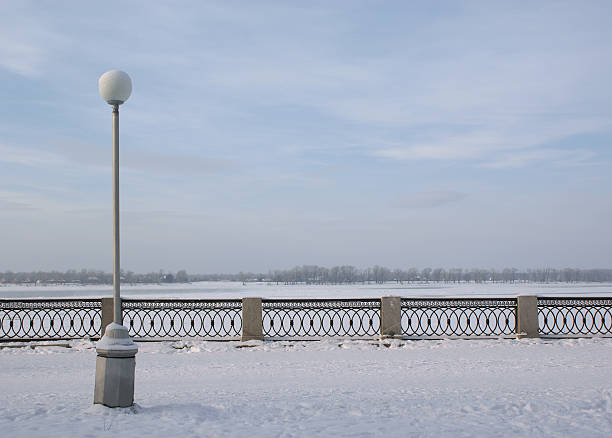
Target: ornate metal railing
458	317
561	316
183	318
320	317
43	319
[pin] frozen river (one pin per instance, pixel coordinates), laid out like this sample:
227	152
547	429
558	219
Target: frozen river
226	290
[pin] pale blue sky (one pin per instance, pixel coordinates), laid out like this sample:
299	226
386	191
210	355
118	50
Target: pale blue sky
268	134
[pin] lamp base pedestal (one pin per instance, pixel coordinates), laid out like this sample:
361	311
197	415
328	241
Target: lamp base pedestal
115	368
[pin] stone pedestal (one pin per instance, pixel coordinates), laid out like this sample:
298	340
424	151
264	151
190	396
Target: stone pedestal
390	317
527	325
115	368
107	313
252	324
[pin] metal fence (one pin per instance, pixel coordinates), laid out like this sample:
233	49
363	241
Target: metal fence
182	318
454	317
561	316
320	317
58	319
43	319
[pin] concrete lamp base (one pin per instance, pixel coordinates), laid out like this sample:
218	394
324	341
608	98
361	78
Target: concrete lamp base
115	368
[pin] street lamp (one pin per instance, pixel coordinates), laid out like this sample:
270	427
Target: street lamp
116	360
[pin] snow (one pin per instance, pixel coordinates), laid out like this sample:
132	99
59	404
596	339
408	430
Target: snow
451	388
116	340
226	290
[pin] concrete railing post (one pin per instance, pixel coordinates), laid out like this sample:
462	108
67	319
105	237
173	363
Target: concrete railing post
390	317
527	317
252	324
107	314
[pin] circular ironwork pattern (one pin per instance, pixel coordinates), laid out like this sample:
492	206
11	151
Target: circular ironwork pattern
575	316
49	319
180	318
457	317
421	318
320	318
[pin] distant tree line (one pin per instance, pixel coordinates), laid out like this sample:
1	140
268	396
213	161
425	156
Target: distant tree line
88	276
312	274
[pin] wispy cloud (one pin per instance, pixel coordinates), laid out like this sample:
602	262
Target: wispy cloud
523	142
22	201
15	206
21	58
429	199
26	41
555	157
95	157
28	156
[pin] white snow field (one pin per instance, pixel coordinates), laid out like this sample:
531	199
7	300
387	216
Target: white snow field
449	388
228	289
452	388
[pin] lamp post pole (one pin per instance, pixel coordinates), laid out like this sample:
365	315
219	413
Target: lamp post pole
116	257
116	360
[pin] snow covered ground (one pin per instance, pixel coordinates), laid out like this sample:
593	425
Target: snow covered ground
450	388
456	388
222	289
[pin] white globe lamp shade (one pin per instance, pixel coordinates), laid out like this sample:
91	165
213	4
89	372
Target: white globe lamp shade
115	87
